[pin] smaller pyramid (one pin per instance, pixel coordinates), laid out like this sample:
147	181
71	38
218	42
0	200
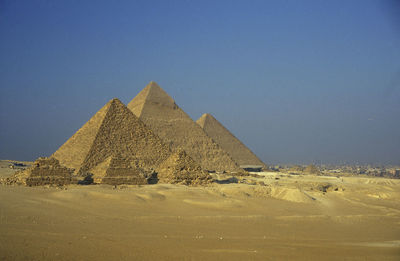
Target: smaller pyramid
44	171
116	170
224	138
99	171
180	168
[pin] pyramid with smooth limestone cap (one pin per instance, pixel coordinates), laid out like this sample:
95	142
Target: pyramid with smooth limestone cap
161	114
235	148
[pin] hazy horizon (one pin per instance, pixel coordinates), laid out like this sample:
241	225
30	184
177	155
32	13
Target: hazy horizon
297	82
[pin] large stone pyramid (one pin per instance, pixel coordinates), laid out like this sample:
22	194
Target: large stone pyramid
114	131
159	111
236	149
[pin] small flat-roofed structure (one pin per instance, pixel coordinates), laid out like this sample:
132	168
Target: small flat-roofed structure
252	168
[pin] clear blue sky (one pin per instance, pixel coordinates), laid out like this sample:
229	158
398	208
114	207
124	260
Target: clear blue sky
297	81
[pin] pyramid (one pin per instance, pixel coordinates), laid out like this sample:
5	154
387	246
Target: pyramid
44	171
161	114
116	170
235	148
114	131
180	168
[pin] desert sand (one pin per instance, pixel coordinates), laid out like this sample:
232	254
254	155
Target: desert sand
272	216
193	212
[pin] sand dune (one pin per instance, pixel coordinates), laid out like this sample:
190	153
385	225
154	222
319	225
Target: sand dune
291	194
286	219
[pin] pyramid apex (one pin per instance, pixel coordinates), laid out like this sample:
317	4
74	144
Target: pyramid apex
206	115
151	94
114	100
153	83
202	120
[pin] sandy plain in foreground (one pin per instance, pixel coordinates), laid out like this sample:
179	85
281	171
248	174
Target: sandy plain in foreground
290	218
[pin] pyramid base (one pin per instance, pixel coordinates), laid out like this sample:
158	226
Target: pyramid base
127	176
49	180
124	180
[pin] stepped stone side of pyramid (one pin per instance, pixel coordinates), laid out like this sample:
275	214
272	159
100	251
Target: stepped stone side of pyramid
48	171
112	131
159	112
235	148
122	133
180	168
44	171
120	171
